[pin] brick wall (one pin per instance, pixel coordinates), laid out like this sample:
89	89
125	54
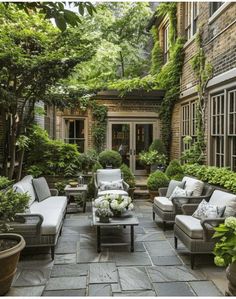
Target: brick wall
219	39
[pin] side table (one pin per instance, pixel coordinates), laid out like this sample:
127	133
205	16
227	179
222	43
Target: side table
77	190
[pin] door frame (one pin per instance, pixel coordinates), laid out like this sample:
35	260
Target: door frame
132	122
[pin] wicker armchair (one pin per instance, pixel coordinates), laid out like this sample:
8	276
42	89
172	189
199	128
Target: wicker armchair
167	210
197	234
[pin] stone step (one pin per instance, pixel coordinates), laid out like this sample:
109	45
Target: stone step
141	194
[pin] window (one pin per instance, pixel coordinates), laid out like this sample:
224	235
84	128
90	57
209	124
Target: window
74	133
214	6
223	129
166	43
189	124
191	17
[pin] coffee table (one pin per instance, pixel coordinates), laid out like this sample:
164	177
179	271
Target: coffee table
77	190
128	219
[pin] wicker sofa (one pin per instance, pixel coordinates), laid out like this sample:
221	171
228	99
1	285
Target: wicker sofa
167	210
41	224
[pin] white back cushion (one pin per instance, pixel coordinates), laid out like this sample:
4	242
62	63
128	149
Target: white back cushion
221	198
194	185
108	175
26	186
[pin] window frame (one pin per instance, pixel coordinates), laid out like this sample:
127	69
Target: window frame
212	9
166	45
191	13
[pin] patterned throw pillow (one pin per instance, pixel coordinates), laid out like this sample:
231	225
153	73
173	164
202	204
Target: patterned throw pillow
172	185
206	210
113	185
179	192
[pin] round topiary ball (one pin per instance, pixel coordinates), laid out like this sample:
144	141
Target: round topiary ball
158	145
157	180
110	158
174	170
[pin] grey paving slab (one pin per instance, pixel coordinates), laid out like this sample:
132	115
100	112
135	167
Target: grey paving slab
32	277
159	248
115	288
69	270
103	273
68	258
87	240
79	222
166	260
151	236
99	290
173	289
134	278
135	294
205	288
69	237
26	291
131	258
65	293
66	283
90	255
172	273
66	247
138	247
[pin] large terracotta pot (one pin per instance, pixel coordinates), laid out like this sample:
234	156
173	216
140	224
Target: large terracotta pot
8	261
231	275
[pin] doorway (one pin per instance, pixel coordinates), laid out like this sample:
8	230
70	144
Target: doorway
130	138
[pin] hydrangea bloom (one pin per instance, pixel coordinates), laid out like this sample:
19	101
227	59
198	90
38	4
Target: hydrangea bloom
230	222
219	261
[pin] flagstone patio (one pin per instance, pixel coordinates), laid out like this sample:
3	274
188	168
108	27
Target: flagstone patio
154	269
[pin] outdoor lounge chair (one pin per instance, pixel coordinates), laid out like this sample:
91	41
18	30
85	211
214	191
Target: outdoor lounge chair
109	176
167	209
197	234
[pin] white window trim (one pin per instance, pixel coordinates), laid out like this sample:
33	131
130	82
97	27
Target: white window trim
219	11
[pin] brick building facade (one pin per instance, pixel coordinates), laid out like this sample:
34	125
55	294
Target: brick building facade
218	23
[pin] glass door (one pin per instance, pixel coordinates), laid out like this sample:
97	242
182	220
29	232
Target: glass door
143	135
120	141
130	139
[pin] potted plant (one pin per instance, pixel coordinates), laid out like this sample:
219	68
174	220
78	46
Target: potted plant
155	181
104	214
225	251
129	178
152	158
11	245
110	159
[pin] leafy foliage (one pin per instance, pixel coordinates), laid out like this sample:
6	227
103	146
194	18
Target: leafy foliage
56	156
128	176
56	11
4	182
222	177
110	157
152	157
11	203
225	249
174	171
158	145
87	160
157	180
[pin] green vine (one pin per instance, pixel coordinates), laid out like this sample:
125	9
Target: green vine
203	72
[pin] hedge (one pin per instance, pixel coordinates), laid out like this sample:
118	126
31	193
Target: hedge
222	177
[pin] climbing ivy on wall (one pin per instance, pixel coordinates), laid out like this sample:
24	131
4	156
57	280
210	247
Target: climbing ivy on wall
203	72
99	113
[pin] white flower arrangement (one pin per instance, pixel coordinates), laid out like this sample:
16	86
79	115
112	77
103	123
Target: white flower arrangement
118	203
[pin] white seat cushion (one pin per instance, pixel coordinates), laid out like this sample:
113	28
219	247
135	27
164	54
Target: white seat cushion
117	192
52	209
163	203
221	199
26	186
193	185
108	175
190	225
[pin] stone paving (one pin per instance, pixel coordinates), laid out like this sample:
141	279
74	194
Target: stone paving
153	269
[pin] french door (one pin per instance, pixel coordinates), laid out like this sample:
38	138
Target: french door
130	138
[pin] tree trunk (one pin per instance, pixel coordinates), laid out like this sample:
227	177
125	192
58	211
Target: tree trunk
122	65
21	159
12	146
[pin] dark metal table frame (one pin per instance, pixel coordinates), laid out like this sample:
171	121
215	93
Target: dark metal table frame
129	220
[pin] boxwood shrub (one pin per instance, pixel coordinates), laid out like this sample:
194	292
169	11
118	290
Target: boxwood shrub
157	180
174	171
222	177
128	176
110	158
